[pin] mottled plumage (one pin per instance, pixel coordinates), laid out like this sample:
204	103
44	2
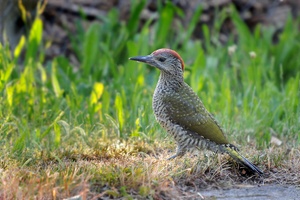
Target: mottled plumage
182	114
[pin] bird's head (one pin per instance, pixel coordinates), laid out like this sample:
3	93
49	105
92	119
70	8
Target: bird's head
167	60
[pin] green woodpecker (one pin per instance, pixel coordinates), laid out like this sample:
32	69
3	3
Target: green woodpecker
182	114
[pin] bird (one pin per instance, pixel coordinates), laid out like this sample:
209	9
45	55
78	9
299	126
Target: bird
179	110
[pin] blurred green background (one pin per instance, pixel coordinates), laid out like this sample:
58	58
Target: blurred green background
250	81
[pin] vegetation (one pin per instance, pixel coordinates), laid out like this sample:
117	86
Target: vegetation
89	130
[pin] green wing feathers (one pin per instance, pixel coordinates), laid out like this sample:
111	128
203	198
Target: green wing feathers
186	109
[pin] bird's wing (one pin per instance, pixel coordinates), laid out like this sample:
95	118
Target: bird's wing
186	109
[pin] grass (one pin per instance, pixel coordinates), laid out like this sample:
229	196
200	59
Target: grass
91	132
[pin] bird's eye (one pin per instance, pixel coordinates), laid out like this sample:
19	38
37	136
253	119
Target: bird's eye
162	59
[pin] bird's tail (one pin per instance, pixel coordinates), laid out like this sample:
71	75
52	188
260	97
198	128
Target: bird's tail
233	152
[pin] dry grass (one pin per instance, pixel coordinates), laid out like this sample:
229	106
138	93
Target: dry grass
138	170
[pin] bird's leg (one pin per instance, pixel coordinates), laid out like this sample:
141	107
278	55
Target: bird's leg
179	152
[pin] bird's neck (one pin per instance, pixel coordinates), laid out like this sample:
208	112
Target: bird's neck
170	81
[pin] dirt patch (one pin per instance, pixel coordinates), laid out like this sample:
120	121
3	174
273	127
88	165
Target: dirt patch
250	192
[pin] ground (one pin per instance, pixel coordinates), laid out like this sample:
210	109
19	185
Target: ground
140	170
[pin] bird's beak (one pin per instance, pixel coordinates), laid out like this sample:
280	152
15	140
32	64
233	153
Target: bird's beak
144	59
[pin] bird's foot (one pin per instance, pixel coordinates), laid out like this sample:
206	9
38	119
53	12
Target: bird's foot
179	153
172	157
